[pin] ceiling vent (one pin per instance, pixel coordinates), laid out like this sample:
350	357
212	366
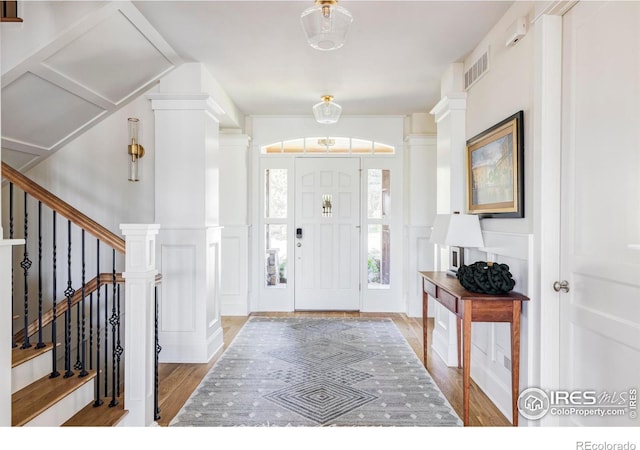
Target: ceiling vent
477	70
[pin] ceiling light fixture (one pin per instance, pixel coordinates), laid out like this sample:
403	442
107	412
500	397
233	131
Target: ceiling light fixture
326	24
327	111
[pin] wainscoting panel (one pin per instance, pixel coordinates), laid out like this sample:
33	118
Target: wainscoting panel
491	342
190	325
420	257
234	273
178	282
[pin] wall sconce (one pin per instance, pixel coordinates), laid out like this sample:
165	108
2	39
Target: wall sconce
135	150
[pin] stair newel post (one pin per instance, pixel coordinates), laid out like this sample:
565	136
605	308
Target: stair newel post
139	275
6	333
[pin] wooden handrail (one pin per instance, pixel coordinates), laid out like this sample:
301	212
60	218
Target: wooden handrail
63	208
63	305
10	12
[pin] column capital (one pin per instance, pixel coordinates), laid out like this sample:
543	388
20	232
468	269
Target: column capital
186	102
452	102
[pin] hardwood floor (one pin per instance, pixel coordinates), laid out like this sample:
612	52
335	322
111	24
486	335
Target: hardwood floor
178	381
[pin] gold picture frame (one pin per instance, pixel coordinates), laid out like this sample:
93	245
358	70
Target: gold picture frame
495	170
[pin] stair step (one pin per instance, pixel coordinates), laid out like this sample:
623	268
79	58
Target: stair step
34	399
20	356
98	416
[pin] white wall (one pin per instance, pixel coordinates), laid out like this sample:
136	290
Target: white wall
90	172
505	89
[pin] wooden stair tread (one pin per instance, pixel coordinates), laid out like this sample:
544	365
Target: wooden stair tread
99	416
20	356
32	400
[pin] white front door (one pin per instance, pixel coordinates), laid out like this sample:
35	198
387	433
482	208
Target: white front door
600	216
327	234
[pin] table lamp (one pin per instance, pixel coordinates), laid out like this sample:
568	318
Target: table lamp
456	231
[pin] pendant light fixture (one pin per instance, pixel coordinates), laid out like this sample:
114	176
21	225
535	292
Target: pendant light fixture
327	111
326	24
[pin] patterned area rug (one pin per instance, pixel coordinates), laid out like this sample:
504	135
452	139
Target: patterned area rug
317	372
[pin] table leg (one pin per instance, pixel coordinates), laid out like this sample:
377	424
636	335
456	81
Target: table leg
425	323
466	363
515	360
458	329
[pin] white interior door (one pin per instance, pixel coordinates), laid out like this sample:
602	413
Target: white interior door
600	256
327	234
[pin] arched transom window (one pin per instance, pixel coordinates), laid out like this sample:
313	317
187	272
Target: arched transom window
328	145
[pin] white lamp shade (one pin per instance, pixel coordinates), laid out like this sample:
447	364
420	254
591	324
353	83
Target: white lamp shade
327	112
459	230
326	26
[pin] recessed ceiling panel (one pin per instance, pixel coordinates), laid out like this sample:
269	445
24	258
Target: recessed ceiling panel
40	113
113	59
17	160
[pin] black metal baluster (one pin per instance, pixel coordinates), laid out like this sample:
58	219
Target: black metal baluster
40	343
13	336
98	401
54	337
106	340
68	292
26	265
113	322
83	351
157	362
119	349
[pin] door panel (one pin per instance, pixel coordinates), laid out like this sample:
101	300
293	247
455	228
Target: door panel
600	314
327	199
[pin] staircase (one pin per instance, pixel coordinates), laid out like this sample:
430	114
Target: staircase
75	376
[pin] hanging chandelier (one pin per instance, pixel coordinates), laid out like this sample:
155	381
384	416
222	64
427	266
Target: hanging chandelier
326	24
327	111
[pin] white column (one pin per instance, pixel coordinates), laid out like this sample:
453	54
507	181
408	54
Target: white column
234	182
421	163
5	328
450	117
187	206
139	323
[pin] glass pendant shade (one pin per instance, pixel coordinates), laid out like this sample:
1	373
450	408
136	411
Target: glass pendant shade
326	24
326	111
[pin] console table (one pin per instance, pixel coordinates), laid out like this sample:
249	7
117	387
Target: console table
473	307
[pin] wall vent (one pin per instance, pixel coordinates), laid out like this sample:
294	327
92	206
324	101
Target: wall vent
477	69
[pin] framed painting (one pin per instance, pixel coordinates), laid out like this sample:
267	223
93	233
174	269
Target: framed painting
495	170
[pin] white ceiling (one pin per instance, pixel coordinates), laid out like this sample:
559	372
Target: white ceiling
391	64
